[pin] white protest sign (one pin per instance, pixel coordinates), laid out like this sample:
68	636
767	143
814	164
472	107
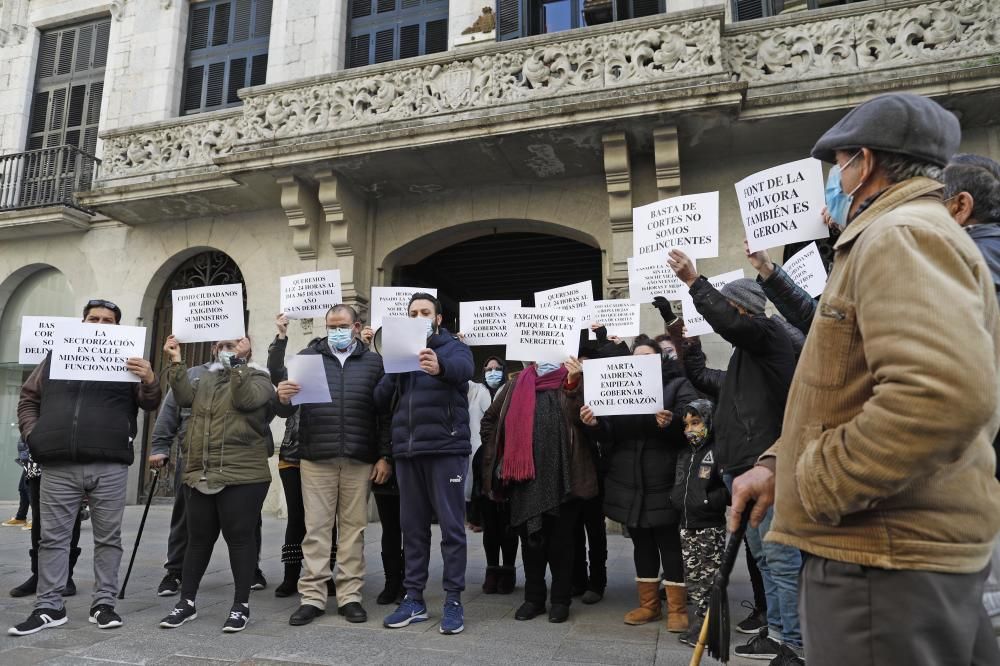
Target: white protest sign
783	204
649	277
308	371
208	314
402	340
694	322
37	338
543	335
619	316
486	322
689	223
807	270
577	298
95	352
393	302
306	295
623	385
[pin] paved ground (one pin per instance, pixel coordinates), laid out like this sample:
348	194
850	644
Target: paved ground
593	635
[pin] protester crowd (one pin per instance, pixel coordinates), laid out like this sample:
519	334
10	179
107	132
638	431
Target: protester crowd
857	434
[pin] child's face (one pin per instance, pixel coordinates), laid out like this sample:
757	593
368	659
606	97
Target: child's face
693	423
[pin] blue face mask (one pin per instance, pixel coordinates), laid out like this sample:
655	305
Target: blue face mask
339	338
545	368
838	202
226	358
493	378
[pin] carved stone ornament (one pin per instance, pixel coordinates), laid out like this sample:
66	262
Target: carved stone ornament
486	22
117	9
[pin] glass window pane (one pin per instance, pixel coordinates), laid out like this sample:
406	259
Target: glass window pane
557	15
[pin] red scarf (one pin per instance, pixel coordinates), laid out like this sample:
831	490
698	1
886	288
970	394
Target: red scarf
519	427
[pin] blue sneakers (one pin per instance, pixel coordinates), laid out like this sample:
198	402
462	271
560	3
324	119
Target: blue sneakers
409	611
453	618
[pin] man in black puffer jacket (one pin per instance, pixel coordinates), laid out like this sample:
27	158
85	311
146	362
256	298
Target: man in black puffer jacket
431	447
343	446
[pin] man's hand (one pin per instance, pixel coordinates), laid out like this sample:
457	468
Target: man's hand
157	460
172	349
287	390
141	368
243	348
760	260
367	335
587	416
429	362
281	323
574	367
829	221
381	472
756	485
663	418
682	266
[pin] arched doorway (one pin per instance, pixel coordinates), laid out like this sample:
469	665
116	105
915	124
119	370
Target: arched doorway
501	266
204	269
45	292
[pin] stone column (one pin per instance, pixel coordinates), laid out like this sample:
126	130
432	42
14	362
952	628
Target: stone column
307	39
618	175
346	212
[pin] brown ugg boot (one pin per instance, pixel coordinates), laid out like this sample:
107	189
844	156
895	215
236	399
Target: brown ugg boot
677	615
649	609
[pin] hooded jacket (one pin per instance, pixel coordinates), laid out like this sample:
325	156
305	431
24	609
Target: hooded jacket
699	494
430	413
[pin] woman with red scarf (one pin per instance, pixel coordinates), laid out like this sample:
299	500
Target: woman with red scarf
536	455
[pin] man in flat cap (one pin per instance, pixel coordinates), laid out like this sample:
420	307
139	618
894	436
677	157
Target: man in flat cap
883	475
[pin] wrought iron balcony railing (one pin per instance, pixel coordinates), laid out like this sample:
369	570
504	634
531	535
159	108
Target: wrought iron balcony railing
45	177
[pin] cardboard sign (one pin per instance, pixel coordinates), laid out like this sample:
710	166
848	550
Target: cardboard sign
543	335
402	341
393	302
577	298
306	295
689	223
308	372
807	270
619	316
95	352
651	276
694	322
37	337
783	204
486	322
623	385
208	314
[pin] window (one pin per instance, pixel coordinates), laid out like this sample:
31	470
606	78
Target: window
745	10
68	87
387	30
520	18
226	51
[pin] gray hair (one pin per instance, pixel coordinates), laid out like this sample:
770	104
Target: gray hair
898	167
980	177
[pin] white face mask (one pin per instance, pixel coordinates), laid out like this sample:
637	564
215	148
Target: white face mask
226	358
430	325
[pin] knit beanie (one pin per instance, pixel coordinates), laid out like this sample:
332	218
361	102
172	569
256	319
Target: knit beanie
746	292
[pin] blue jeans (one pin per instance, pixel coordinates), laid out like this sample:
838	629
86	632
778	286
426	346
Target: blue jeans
779	567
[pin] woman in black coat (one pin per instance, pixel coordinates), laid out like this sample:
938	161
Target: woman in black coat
641	457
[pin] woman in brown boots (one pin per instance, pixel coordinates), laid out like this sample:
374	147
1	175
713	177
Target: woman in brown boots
642	451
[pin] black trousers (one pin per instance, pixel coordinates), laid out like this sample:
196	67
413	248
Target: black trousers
552	546
235	511
178	538
24	498
498	536
656	547
388	515
591	529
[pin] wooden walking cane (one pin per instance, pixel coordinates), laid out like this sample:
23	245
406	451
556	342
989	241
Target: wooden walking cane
699	649
142	524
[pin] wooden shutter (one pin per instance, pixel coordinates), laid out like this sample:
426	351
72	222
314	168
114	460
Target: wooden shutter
510	19
744	10
385	30
361	8
385	46
436	36
409	41
646	8
358	54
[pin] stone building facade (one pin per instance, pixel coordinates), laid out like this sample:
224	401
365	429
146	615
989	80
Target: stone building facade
506	158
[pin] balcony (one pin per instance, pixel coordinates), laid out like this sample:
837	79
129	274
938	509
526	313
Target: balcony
39	191
633	74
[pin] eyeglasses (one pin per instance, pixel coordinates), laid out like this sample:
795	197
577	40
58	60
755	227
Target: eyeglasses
101	303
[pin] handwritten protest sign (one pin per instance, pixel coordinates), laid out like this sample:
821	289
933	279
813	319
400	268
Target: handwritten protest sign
694	323
623	385
308	371
650	276
689	223
393	302
807	270
486	322
208	314
402	340
783	204
95	352
543	335
37	338
619	316
577	298
306	295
